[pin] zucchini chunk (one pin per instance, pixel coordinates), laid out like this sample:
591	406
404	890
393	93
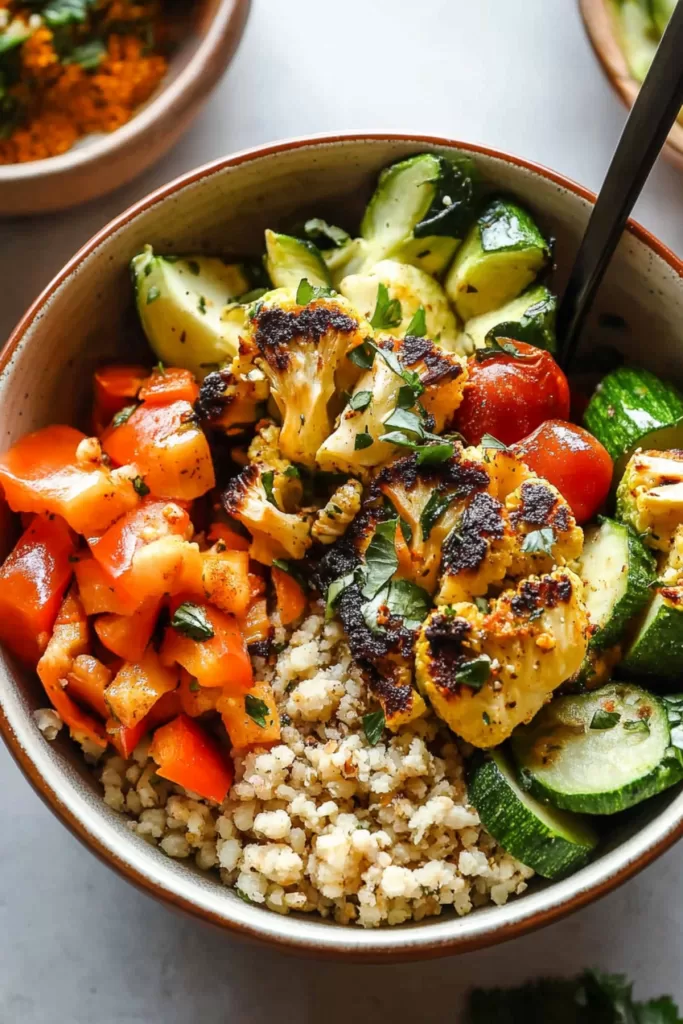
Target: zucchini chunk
650	496
188	308
288	260
501	255
420	212
634	409
411	288
530	318
553	843
598	752
657	649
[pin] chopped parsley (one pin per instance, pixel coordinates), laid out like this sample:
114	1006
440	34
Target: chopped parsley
539	541
433	510
306	292
140	486
602	719
257	709
417	328
123	415
360	401
362	356
268	480
388	313
474	673
363	440
381	559
191	620
374	725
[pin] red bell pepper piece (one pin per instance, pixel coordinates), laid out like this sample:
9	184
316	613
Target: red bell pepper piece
222	660
190	757
116	386
172	385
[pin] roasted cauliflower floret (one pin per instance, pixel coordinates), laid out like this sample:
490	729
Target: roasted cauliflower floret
478	550
332	521
486	673
650	496
232	397
378	396
251	500
286	480
301	350
544	526
672	571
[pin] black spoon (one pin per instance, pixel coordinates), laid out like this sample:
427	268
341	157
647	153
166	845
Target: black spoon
649	122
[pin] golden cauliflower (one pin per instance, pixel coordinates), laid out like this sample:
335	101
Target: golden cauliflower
250	498
650	496
544	526
332	521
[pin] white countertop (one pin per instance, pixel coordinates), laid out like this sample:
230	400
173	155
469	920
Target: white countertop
79	944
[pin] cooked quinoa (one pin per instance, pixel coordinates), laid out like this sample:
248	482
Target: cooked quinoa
324	821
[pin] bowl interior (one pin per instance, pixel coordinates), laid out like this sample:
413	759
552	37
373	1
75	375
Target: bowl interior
86	315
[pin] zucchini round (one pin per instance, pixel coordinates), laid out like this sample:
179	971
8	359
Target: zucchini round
657	648
551	842
598	752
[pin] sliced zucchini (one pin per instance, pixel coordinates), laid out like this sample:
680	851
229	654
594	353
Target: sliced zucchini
530	317
340	261
632	409
599	752
412	288
638	35
187	307
500	257
657	648
419	212
617	571
289	260
551	842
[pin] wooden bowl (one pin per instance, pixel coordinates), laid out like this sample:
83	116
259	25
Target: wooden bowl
600	25
101	163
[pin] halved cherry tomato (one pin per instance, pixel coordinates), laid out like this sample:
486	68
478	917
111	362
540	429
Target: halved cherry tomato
291	600
33	581
509	397
571	459
172	385
190	757
170	450
42	473
222	660
115	387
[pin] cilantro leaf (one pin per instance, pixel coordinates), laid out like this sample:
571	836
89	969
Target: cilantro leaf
123	415
388	313
335	591
268	480
140	487
362	355
374	725
406	421
306	292
191	620
474	673
360	401
433	510
257	709
381	559
539	541
603	720
489	441
417	328
409	602
427	454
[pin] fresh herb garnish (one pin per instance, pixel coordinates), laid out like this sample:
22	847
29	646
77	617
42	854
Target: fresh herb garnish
66	12
604	719
381	559
160	369
408	601
89	55
406	421
489	441
486	718
292	472
191	621
256	709
360	401
374	725
321	233
539	541
637	725
433	510
153	294
335	591
417	328
433	451
140	486
363	440
123	415
406	529
362	355
268	480
388	312
497	347
474	673
306	292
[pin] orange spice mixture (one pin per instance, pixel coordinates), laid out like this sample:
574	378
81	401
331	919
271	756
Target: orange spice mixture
74	79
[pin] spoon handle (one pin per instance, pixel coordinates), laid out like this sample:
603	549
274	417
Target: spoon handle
649	122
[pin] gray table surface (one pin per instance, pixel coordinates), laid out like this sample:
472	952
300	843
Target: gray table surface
78	944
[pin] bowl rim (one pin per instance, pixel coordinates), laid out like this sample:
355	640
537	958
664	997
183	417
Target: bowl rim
171	99
598	22
438	937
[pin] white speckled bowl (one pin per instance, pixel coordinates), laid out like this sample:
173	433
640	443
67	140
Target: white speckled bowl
81	317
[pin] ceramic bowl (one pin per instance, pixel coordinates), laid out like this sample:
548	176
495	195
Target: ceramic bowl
599	20
82	317
100	163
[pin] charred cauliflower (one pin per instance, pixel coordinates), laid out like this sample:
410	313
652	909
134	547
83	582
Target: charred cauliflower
332	521
544	526
650	496
301	349
484	673
232	397
382	401
250	498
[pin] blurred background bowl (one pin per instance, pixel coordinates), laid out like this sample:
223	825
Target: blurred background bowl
601	26
100	163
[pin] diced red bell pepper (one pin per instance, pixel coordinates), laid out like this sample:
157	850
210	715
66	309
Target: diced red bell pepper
137	687
244	730
33	581
196	700
173	385
187	755
128	635
221	661
42	473
116	386
98	591
87	680
291	600
126	739
170	450
219	532
255	625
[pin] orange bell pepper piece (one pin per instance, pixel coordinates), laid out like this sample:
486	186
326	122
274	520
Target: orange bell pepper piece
196	700
128	635
256	626
97	589
225	580
33	581
219	532
41	473
244	729
126	739
170	450
137	687
115	387
69	640
405	562
221	661
173	385
291	600
190	757
86	682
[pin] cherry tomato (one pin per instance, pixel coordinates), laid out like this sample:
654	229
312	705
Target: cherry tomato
571	459
509	397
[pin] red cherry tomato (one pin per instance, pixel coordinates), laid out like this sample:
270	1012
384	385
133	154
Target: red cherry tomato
571	459
510	397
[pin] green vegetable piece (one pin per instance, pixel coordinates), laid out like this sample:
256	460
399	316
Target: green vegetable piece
257	709
191	621
417	328
374	725
539	541
289	260
387	311
433	510
363	440
360	401
381	558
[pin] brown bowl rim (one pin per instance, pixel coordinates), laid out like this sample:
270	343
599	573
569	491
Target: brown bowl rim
599	25
383	951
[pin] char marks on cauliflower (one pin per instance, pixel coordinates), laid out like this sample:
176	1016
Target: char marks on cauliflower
277	328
